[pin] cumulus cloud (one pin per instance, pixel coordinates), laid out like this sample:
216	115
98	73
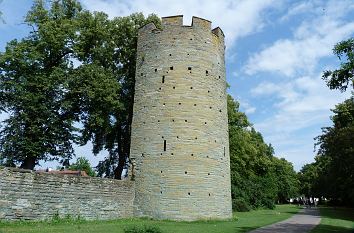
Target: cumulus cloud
311	40
302	105
236	18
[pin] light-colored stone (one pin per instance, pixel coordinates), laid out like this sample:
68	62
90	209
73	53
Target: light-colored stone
180	100
28	195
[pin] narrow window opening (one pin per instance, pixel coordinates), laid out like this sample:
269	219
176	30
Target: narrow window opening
205	123
185	120
177	137
219	77
163	79
174	87
162	136
171	68
196	138
192	154
155	70
170	55
208	174
185	172
224	151
161	192
171	153
164	104
142	154
189	193
158	120
160	88
220	110
209	194
141	74
189	68
195	104
161	171
191	87
164	145
207	72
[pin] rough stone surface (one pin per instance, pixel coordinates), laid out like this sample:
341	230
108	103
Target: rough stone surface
179	131
28	195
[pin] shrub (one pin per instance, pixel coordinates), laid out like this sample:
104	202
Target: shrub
240	205
144	229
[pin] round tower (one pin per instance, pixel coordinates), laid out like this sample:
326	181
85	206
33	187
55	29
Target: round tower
180	140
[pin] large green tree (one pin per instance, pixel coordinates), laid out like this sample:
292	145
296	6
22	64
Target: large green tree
336	149
258	179
344	76
76	68
33	74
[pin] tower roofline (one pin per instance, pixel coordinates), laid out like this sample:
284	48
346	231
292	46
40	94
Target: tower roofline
177	20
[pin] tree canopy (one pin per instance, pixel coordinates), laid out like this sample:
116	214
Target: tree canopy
82	164
75	68
258	178
344	76
332	174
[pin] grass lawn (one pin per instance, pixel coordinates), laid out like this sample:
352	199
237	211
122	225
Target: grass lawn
335	220
242	222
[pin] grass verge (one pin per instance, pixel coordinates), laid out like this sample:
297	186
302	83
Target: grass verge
335	220
242	222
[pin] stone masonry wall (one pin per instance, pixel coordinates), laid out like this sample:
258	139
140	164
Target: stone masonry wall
29	195
179	130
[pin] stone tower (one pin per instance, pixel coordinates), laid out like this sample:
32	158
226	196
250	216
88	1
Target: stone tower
180	137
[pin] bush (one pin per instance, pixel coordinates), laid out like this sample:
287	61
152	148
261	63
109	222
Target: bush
269	204
240	205
144	229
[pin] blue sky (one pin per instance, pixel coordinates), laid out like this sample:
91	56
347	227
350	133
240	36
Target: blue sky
276	53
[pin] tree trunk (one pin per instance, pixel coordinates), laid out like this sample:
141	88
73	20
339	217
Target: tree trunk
29	163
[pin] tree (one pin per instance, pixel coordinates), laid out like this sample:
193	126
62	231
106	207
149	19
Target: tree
258	179
344	76
109	47
33	74
82	164
75	68
336	149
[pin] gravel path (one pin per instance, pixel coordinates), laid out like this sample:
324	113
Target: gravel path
302	222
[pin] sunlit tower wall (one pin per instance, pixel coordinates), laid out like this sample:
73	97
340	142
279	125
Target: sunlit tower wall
180	140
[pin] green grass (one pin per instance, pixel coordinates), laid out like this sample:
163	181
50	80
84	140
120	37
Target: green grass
335	220
242	222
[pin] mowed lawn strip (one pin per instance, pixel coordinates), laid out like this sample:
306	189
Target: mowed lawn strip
335	220
242	222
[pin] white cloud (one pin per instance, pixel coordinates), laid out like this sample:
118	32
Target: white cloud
312	40
303	105
236	18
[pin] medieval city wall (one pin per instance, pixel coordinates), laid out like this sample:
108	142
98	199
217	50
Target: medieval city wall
28	195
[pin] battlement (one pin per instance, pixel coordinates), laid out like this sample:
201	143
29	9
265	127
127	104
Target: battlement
177	20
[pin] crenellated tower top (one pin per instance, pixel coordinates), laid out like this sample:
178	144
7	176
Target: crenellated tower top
177	20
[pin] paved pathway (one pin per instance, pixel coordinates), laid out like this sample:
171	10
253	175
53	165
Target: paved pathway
301	222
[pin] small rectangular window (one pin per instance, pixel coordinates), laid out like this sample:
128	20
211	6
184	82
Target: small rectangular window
189	68
164	145
171	68
163	79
